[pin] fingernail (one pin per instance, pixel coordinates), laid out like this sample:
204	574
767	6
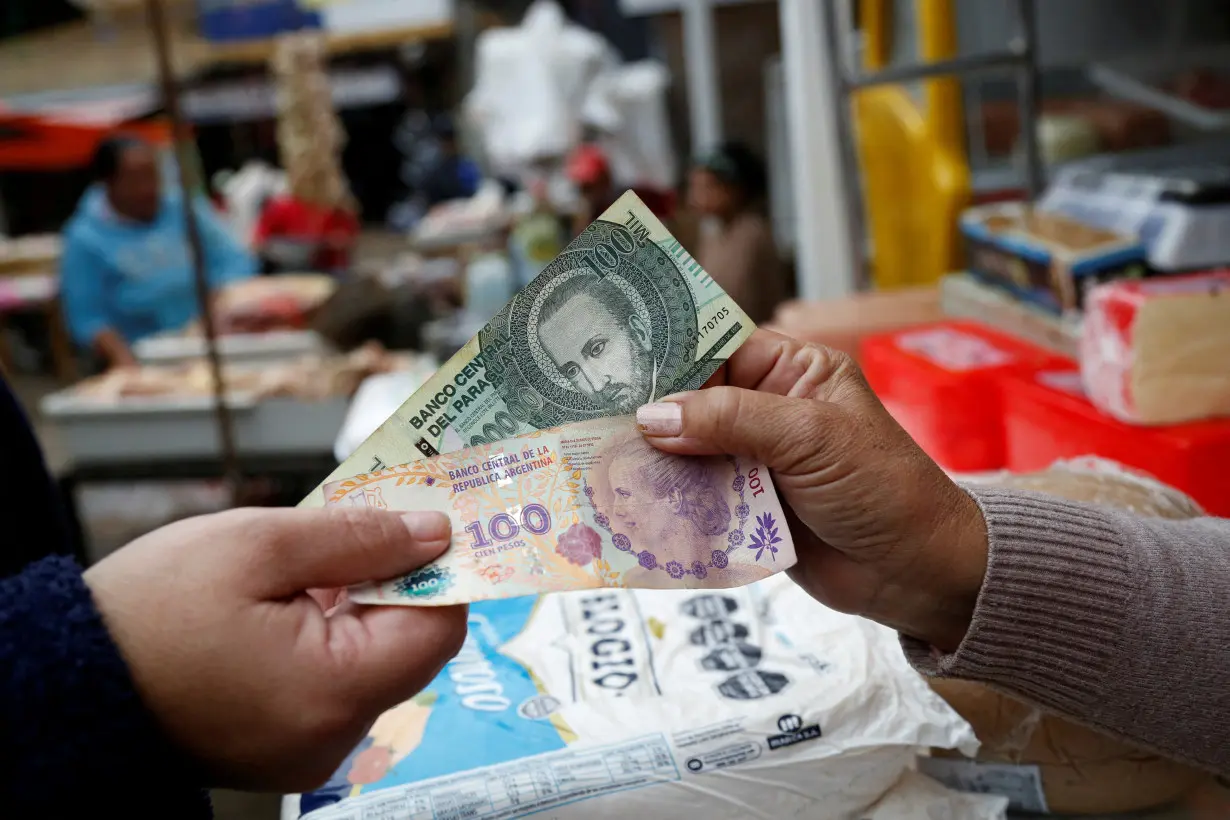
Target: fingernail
663	419
428	526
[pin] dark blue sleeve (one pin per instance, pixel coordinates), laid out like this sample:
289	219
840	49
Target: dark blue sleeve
30	504
77	735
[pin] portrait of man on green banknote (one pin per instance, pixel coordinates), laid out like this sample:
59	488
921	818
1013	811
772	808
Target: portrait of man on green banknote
610	325
594	336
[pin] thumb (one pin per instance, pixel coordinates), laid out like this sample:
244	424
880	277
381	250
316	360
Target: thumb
784	434
299	550
403	649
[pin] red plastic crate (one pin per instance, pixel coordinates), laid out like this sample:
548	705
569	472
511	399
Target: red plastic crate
1047	418
940	382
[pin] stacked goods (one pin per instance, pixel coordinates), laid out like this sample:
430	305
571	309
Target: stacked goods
1065	137
1205	87
1117	125
963	296
1155	352
1045	763
1045	257
1092	480
755	701
842	324
310	134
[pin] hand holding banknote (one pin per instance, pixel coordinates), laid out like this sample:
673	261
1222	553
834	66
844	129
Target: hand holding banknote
880	529
582	506
242	666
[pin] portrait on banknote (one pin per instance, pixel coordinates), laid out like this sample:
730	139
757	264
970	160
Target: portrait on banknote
608	326
677	516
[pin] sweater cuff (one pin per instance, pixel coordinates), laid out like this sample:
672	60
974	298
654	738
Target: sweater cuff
76	729
1050	615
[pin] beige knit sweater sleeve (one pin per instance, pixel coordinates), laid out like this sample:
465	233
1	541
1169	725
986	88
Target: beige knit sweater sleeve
1119	622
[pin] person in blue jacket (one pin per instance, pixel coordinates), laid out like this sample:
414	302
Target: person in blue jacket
126	272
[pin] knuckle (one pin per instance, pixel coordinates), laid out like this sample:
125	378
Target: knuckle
824	370
729	408
333	716
366	530
312	777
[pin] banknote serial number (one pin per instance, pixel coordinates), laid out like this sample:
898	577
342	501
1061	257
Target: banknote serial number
714	323
503	527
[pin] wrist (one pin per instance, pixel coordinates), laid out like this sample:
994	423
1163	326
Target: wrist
934	597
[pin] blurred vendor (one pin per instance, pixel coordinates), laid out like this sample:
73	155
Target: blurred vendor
589	169
126	271
736	246
591	173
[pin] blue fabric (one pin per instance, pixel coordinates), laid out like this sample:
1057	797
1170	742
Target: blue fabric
453	178
136	279
76	733
77	737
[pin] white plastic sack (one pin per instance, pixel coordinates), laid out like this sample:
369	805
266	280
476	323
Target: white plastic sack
378	398
918	797
747	703
530	84
629	105
245	193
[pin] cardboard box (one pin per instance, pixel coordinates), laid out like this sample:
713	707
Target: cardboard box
1046	258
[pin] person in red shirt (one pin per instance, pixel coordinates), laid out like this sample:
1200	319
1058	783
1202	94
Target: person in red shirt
289	227
590	171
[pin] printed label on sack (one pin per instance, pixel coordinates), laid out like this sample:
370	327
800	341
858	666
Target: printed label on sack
1022	785
524	787
954	350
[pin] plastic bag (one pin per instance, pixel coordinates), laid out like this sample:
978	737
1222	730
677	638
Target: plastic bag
749	703
530	85
628	105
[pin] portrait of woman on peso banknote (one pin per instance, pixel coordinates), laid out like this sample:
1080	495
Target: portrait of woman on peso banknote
608	326
678	518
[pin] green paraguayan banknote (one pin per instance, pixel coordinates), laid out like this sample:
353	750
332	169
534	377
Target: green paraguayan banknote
622	317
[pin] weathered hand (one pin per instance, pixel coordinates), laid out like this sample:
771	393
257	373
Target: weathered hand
880	530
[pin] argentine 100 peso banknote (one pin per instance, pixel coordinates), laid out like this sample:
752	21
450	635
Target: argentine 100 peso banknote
582	506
